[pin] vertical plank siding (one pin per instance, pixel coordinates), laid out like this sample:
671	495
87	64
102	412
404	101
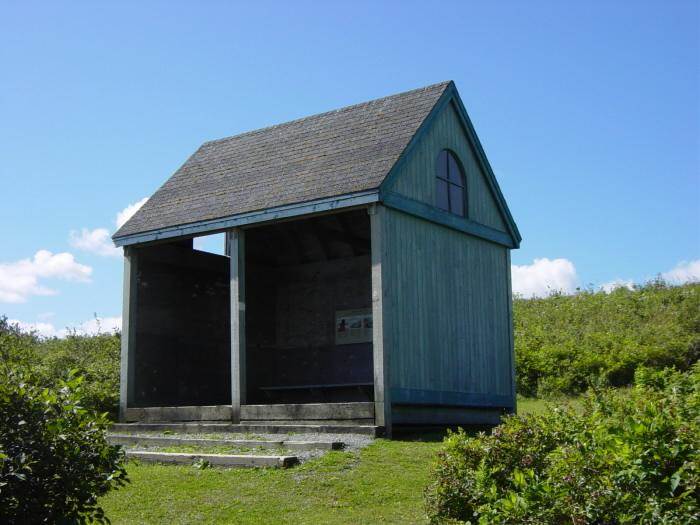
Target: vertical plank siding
417	177
449	323
448	305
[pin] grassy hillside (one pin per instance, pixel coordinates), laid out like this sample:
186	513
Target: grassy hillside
566	343
563	344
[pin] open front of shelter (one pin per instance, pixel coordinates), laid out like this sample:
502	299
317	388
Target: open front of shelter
365	277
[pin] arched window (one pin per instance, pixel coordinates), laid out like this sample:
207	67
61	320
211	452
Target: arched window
449	184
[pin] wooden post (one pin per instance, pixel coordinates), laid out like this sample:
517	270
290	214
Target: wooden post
382	399
511	336
236	253
129	313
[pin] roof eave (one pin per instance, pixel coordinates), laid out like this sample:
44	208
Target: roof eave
285	211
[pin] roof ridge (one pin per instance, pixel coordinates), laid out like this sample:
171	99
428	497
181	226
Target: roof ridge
317	115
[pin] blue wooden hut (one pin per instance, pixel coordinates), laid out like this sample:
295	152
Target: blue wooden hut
365	281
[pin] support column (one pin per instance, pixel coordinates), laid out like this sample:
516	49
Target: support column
235	242
511	336
129	313
382	399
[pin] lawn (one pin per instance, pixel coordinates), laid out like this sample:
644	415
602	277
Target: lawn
383	483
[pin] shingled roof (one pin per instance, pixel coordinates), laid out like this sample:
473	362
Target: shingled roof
336	153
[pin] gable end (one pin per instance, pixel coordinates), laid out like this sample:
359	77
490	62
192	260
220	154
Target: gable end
411	181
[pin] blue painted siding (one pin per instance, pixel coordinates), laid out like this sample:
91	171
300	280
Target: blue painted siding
447	311
416	178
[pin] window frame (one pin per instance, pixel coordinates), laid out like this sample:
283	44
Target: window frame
449	183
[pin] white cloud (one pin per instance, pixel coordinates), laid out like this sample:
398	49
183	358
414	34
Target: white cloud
128	212
43	329
21	279
98	241
103	325
684	272
544	276
617	283
95	241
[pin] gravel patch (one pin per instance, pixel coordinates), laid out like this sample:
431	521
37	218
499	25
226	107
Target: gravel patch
352	442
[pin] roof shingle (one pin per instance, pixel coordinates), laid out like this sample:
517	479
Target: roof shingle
335	153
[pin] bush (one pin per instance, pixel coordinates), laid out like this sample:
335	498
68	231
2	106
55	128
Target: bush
95	357
629	456
54	457
565	344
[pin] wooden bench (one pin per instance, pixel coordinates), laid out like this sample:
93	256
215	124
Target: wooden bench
315	387
270	391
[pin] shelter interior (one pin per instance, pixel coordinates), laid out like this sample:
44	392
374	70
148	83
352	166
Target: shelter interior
307	316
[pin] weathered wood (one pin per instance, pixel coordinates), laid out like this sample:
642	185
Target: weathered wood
444	218
221	460
337	422
450	129
277	213
420	415
380	344
449	317
127	366
308	411
511	335
242	428
294	296
236	245
182	334
179	413
415	396
170	441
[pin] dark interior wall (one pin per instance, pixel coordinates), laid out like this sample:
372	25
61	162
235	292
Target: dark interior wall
298	275
182	340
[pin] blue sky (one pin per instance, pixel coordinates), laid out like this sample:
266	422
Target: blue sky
589	113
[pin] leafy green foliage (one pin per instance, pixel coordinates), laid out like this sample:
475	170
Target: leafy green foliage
54	457
566	343
628	456
94	357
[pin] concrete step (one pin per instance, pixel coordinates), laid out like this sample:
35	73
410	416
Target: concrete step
169	441
362	412
246	428
312	422
222	460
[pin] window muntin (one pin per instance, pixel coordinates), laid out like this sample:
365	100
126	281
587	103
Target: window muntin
449	184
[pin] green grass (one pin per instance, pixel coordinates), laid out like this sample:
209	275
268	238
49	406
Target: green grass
531	405
383	483
218	449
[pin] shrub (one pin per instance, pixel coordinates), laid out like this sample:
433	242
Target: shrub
17	348
54	457
95	357
565	344
629	456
